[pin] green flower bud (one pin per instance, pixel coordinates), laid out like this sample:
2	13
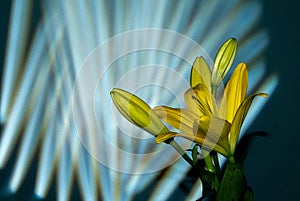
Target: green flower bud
137	112
223	61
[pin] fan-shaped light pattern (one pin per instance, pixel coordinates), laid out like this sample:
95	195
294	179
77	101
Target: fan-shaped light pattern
38	88
15	51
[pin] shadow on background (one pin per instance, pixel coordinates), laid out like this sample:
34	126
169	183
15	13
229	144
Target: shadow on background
272	165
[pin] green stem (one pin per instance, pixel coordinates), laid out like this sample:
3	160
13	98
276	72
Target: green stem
217	165
214	89
208	161
178	148
231	159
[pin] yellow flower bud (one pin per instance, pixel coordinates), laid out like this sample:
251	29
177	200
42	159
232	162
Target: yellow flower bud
223	61
137	112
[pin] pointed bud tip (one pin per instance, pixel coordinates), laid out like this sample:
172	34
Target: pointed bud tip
115	91
233	41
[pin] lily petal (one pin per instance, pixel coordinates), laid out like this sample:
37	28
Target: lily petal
200	101
197	139
165	137
213	129
200	73
137	112
239	118
235	92
180	119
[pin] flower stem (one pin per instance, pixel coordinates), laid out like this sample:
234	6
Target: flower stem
217	164
178	148
208	161
214	89
231	159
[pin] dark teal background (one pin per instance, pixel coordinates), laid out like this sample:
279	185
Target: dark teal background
272	165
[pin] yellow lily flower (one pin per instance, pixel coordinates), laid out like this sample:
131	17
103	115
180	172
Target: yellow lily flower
137	112
140	114
204	122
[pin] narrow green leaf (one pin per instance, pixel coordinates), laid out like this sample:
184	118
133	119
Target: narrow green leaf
195	153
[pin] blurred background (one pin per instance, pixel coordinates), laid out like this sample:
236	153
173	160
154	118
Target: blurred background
272	164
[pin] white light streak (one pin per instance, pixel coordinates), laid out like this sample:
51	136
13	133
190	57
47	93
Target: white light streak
17	39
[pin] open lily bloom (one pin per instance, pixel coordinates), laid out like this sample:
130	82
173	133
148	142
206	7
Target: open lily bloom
204	122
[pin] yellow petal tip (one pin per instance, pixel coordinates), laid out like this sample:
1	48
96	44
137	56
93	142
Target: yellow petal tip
265	95
164	137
